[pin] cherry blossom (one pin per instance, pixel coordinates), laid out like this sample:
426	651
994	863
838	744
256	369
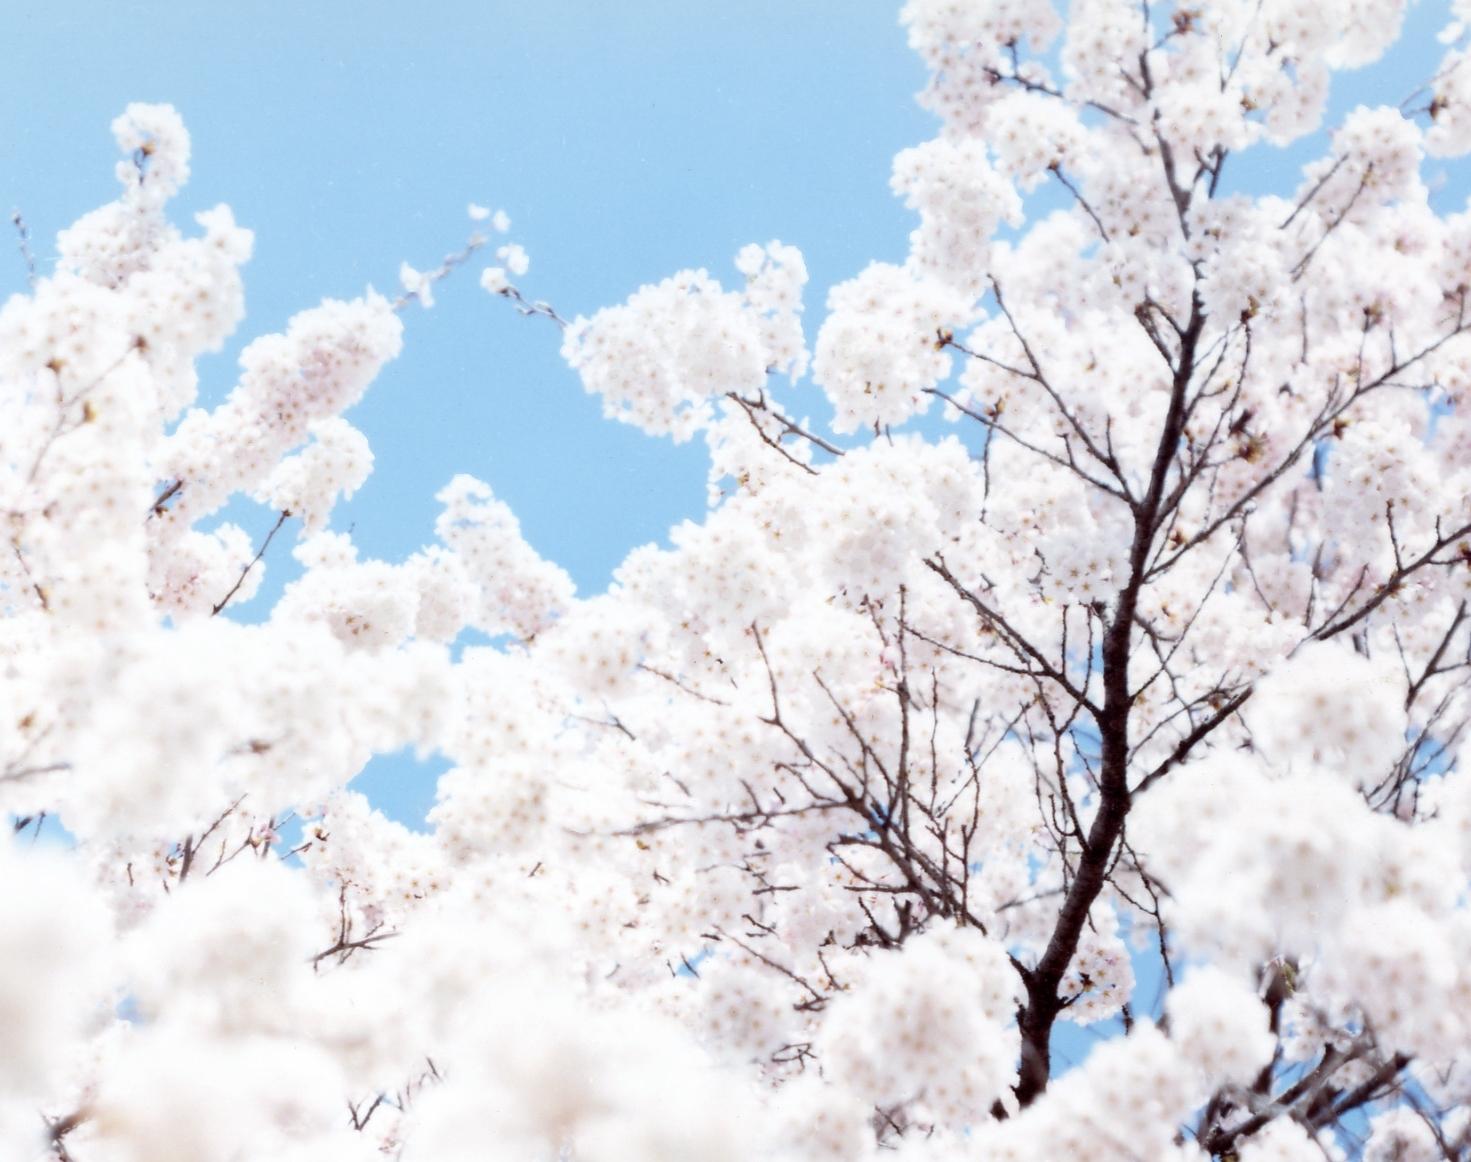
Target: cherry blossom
1129	711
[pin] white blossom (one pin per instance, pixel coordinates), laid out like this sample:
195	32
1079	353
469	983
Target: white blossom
1136	702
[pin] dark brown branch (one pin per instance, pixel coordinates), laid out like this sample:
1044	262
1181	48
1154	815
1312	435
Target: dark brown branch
788	425
245	572
1044	1003
1013	639
1332	628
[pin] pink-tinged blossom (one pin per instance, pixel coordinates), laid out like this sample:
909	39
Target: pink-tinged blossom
806	837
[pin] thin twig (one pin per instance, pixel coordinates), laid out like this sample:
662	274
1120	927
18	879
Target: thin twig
245	572
23	243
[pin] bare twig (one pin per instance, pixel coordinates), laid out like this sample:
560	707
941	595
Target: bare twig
245	572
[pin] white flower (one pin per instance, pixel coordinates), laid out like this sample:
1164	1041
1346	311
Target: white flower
417	284
515	258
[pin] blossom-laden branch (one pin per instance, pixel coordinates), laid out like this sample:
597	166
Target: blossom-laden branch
219	605
838	804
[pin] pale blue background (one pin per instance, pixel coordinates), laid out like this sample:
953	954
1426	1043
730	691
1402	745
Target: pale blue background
626	140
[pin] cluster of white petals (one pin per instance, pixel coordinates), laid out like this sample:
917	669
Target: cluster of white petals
658	360
962	200
927	1024
1220	1026
518	591
1125	726
882	346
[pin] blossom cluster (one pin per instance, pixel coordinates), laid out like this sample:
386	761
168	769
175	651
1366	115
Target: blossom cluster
823	829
